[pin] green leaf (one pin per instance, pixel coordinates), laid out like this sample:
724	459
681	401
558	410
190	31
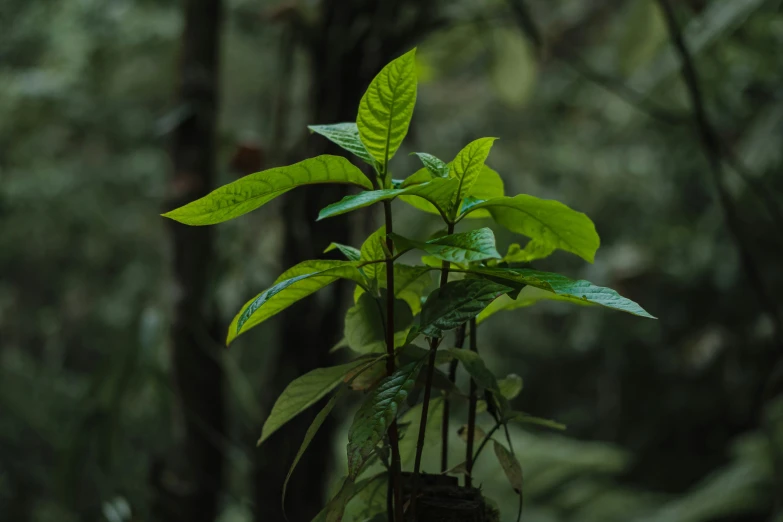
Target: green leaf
476	368
510	465
488	185
468	165
311	431
435	166
410	283
370	497
303	392
294	284
528	296
335	508
580	292
365	324
346	135
510	386
535	249
524	418
386	108
376	414
374	249
545	220
435	193
456	303
410	434
351	253
252	191
465	247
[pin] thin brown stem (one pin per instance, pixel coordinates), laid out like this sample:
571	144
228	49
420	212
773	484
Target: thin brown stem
444	429
394	438
471	412
444	277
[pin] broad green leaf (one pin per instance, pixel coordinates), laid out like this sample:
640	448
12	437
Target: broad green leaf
546	220
488	185
349	490
294	284
580	291
410	434
510	386
369	498
457	302
386	108
374	249
351	253
311	431
303	392
529	296
410	283
524	418
476	368
535	249
365	324
435	166
511	467
346	135
465	247
422	175
468	164
376	414
435	193
335	508
252	191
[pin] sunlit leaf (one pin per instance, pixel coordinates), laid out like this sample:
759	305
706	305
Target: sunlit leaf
373	249
386	108
251	191
375	415
580	291
303	392
545	220
435	166
455	303
488	185
436	193
346	135
351	253
535	249
294	284
465	247
468	164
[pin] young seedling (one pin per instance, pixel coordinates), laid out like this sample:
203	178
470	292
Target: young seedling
396	304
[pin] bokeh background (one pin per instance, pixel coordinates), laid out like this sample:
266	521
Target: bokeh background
118	401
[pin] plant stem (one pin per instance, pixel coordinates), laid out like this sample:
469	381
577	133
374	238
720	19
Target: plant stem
486	439
394	438
444	429
444	278
471	412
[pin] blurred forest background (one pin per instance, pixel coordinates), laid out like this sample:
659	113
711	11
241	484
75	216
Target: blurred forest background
118	401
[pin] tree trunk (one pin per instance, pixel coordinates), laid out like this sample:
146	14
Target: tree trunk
345	52
197	465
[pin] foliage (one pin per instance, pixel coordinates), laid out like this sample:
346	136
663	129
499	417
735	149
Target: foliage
381	309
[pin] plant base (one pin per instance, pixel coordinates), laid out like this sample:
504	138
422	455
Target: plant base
441	499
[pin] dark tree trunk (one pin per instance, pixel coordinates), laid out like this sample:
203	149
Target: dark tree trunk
351	42
197	464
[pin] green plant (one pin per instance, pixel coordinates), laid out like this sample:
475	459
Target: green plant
394	303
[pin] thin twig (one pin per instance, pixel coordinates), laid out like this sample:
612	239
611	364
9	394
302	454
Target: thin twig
471	412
